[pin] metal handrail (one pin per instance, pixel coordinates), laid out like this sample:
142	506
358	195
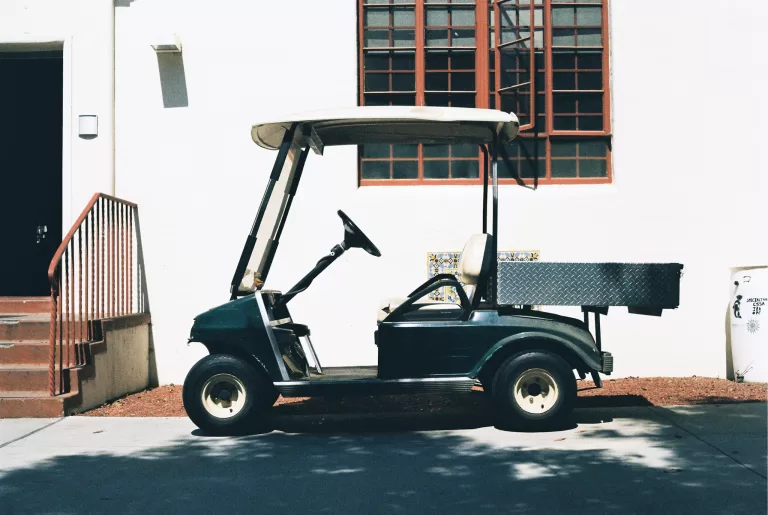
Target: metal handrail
97	272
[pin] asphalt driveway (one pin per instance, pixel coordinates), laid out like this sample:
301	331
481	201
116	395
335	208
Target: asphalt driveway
695	459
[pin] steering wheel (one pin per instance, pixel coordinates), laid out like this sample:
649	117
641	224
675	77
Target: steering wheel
354	237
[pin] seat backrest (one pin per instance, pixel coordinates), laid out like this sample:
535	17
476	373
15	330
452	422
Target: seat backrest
475	264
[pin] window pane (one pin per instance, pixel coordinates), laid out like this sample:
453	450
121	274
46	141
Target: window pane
564	60
562	16
376	61
385	100
437	60
564	123
464	150
564	103
436	82
405	170
463	60
589	37
533	168
404	38
404	17
564	80
376	82
375	169
591	80
590	103
563	168
375	38
463	17
379	150
403	100
463	37
590	60
563	148
593	168
465	169
435	169
507	169
593	148
431	151
405	150
437	37
377	17
437	17
456	100
590	123
403	82
403	61
589	16
462	82
563	37
533	148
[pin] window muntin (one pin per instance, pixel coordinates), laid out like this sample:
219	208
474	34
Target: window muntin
554	74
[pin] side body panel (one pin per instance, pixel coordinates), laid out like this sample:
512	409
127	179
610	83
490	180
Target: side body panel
461	348
238	327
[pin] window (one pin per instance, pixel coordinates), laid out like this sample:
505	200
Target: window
544	60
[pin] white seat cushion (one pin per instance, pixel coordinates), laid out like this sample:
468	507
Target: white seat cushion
474	263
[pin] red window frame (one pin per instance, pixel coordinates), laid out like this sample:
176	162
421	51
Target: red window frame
487	59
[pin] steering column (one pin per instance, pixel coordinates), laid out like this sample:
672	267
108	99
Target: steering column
353	237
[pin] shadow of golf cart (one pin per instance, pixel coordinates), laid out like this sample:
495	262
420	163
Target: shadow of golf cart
524	359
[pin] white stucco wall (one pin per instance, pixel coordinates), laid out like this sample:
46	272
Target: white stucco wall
84	29
689	173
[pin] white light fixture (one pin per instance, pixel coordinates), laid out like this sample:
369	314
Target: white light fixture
167	43
88	126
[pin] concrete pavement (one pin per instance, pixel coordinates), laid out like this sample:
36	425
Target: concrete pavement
700	459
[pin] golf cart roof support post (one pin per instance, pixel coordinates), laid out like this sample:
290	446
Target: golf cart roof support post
495	221
598	338
250	242
485	188
288	203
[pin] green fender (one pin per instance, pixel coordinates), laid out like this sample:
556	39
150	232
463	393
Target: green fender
583	348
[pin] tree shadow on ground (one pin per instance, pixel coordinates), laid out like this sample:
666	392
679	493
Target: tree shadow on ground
633	465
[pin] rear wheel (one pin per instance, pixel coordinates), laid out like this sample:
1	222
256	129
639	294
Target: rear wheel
534	390
225	394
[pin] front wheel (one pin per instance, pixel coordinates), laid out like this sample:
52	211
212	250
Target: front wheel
534	390
226	395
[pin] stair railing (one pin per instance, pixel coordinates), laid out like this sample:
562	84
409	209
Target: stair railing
96	273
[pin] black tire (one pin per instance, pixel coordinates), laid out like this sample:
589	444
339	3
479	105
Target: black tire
218	374
541	368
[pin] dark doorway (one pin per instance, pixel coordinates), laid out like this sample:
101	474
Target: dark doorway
31	96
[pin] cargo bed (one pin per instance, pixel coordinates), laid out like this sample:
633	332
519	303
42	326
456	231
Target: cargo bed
646	288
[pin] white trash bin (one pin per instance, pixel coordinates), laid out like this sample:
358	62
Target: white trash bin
749	324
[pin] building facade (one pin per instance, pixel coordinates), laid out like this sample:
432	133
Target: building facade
642	143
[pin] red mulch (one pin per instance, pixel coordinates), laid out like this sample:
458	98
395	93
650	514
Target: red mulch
165	401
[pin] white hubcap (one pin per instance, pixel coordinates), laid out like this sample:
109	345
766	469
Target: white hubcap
223	396
536	391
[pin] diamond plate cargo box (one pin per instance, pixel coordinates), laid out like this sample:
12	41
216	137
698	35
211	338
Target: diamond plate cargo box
644	286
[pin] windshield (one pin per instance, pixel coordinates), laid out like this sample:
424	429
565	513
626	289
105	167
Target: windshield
269	229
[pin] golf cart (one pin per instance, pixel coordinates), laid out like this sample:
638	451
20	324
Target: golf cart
524	359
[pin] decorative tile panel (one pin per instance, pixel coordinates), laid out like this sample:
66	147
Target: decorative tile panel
448	263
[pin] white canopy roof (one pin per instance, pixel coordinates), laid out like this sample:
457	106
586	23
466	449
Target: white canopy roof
393	124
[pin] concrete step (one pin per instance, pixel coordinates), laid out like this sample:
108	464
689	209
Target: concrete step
33	352
24	327
25	304
23	378
20	404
